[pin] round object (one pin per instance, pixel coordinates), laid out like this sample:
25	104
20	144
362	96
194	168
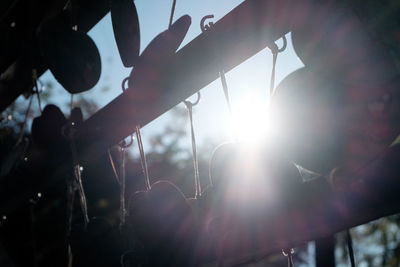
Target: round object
72	56
163	221
46	129
248	181
125	24
332	41
323	124
157	53
99	245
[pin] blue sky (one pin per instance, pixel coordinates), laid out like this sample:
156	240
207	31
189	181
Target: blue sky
250	80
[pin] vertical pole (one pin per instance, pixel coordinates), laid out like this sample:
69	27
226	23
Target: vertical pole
325	252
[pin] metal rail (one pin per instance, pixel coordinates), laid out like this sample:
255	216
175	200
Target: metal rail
242	33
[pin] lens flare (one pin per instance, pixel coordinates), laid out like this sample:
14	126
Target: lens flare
252	122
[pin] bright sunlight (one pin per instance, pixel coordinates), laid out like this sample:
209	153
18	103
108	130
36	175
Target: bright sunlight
252	121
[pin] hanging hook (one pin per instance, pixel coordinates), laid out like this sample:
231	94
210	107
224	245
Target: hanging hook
204	27
124	88
289	255
123	85
221	72
274	47
122	180
275	50
189	104
69	131
124	145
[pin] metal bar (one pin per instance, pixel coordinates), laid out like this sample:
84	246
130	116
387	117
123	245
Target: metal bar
242	33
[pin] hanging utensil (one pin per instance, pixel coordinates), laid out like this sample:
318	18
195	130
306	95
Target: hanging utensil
157	54
335	43
161	218
125	22
324	124
72	56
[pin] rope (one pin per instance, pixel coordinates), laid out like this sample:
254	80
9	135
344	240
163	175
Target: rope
75	184
143	158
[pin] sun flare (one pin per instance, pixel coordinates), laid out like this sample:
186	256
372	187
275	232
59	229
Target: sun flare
252	121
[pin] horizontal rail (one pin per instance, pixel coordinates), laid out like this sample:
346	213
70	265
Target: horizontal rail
246	30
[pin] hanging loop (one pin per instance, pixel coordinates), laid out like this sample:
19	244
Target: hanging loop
289	254
124	145
204	27
189	104
274	47
123	85
275	50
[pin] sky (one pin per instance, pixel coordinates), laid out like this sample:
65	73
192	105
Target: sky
247	82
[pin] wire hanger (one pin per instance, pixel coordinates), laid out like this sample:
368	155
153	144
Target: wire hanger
121	178
275	51
73	185
171	17
143	160
205	27
289	254
189	105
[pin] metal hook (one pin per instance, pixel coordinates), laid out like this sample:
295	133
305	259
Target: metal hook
284	45
275	49
124	145
204	27
288	254
124	83
189	104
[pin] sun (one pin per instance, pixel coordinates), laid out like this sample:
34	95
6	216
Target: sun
252	121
